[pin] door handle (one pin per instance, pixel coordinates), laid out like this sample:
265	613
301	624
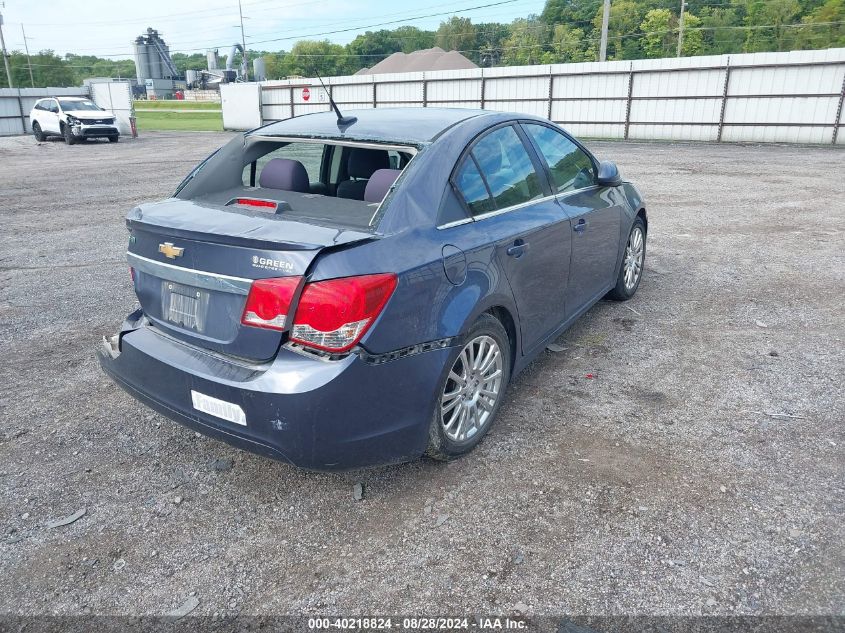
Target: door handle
580	226
518	248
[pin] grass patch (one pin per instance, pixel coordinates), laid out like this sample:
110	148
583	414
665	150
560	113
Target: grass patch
173	104
188	121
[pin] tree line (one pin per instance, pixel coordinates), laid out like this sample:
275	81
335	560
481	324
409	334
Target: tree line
566	31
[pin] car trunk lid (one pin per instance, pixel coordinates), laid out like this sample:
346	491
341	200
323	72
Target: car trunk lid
193	266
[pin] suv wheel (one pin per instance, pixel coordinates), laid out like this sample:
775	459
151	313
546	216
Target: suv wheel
70	139
38	133
472	390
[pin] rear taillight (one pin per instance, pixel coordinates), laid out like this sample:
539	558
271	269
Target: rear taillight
333	315
269	302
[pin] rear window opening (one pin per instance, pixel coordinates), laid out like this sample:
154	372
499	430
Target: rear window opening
320	180
337	183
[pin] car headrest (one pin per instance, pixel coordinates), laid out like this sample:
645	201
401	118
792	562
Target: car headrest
363	162
379	184
286	174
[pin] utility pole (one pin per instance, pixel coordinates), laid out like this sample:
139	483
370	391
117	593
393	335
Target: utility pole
604	20
28	60
5	54
243	42
681	28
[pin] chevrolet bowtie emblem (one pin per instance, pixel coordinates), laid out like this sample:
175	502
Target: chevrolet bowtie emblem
171	252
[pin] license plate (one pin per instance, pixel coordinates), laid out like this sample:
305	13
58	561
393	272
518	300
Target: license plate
218	408
184	305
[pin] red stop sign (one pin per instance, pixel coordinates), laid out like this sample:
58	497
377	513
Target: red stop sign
306	94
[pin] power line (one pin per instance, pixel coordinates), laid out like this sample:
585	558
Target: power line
333	32
180	46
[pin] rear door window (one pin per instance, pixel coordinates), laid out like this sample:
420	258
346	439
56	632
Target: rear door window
499	165
569	165
470	184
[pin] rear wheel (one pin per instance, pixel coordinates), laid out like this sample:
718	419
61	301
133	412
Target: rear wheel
38	132
633	260
70	139
472	391
114	139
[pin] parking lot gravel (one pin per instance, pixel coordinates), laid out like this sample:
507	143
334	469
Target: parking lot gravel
681	454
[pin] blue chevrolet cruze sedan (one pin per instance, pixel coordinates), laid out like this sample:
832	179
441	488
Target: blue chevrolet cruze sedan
346	291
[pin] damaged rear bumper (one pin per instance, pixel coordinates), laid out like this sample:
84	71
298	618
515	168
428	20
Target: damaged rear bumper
310	412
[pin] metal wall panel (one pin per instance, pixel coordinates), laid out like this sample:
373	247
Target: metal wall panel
405	92
674	132
536	108
241	105
791	134
778	81
593	111
115	96
815	110
593	86
593	130
679	84
676	110
454	90
782	97
516	89
10	113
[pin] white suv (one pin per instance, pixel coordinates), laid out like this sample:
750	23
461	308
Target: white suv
74	118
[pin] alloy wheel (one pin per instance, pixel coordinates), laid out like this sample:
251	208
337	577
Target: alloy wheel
633	264
472	389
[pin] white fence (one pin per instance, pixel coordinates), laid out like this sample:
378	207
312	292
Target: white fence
16	103
115	96
241	104
792	97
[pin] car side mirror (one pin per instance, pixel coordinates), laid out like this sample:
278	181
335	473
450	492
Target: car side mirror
608	175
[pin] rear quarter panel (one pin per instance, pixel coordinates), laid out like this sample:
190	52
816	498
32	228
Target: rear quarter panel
426	306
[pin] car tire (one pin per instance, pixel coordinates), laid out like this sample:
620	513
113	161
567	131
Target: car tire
70	139
38	133
114	139
463	413
633	261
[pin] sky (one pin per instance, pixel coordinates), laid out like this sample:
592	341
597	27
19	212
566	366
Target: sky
97	27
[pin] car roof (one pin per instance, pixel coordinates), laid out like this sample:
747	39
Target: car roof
399	125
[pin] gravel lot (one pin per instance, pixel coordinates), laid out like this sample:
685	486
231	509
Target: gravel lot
700	471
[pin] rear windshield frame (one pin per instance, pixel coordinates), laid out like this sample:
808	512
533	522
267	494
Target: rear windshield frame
407	148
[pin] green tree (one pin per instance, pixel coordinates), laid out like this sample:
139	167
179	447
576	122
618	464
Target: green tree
570	45
769	21
527	42
623	32
308	57
574	13
373	46
490	40
195	61
720	34
660	34
659	37
825	26
48	69
413	39
456	34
